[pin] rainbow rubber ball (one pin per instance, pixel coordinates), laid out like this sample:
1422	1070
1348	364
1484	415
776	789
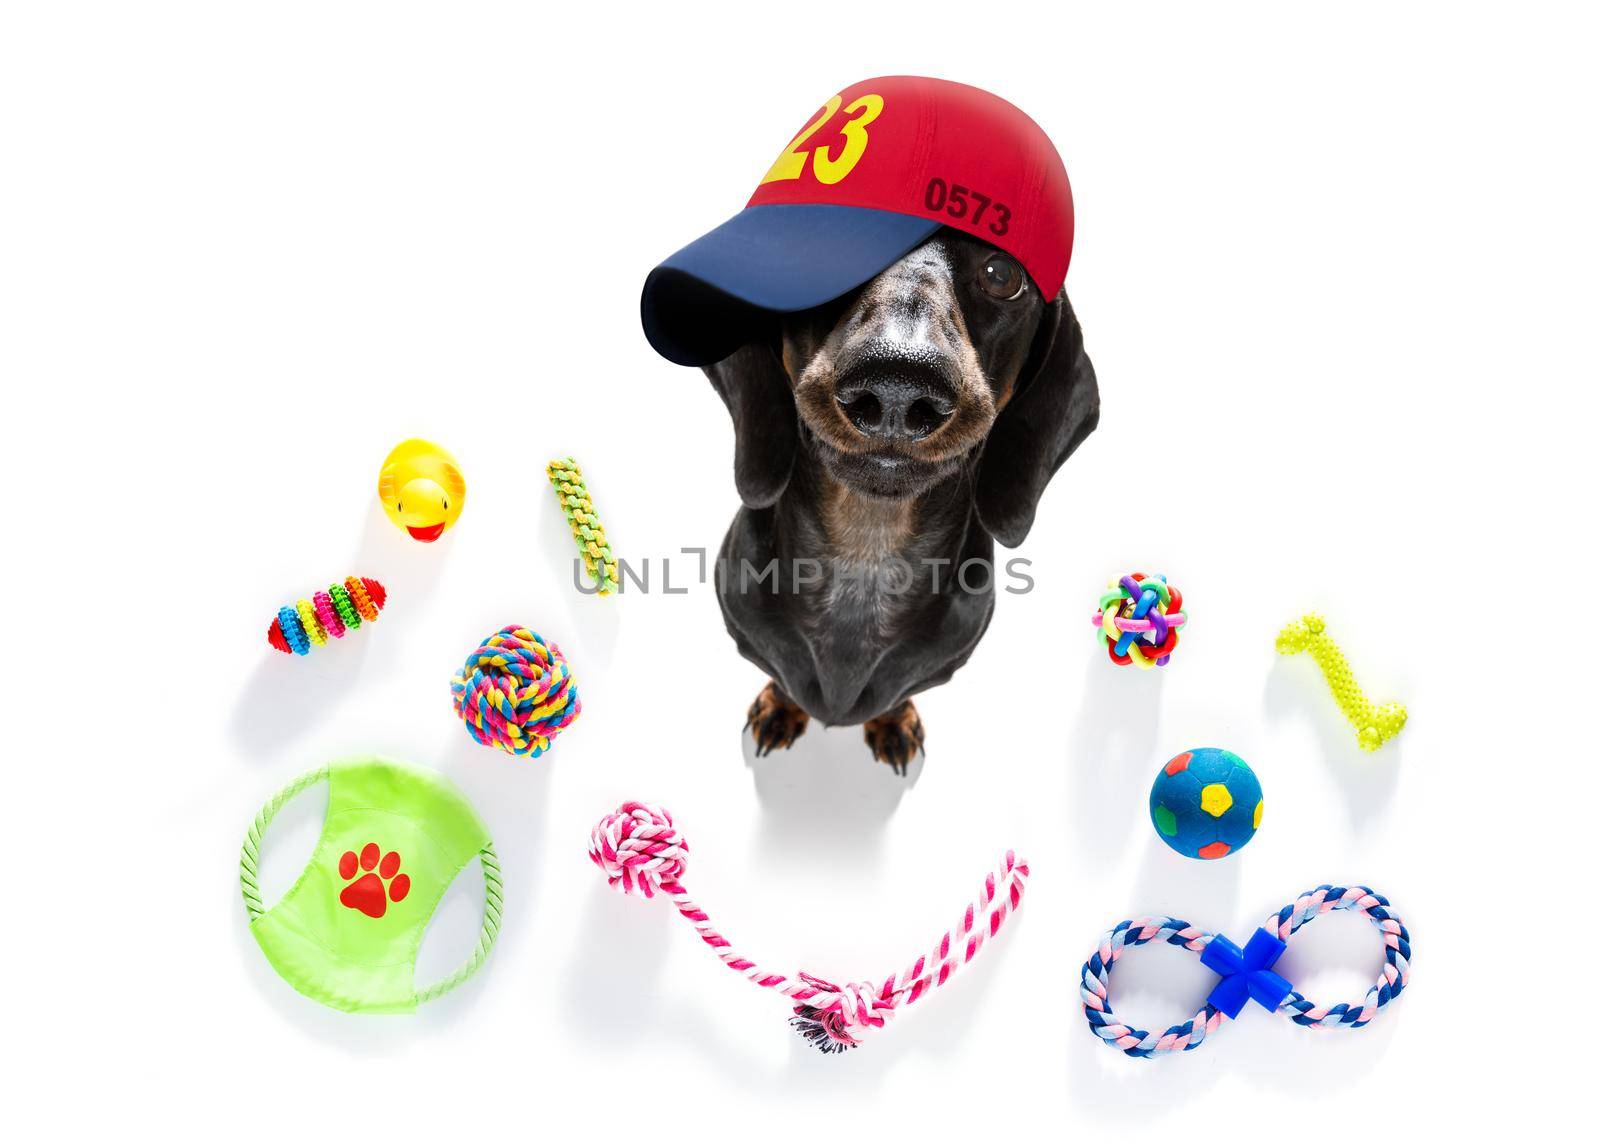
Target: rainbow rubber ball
1206	803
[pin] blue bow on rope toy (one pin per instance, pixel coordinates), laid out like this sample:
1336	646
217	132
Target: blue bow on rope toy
1246	974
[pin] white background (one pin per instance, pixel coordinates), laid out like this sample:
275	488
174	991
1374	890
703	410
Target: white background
1337	272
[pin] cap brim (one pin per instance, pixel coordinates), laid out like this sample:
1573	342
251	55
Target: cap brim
722	290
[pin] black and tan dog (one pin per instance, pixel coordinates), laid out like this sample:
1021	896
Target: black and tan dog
882	443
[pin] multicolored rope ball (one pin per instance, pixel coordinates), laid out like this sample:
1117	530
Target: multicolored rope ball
1246	974
567	479
1138	619
327	614
515	693
640	851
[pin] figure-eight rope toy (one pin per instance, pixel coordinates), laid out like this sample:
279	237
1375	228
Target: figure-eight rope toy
1246	973
639	850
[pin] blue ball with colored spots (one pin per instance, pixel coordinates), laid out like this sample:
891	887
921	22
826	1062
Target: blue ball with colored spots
1206	803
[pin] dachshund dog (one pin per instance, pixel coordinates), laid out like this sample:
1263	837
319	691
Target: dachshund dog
882	443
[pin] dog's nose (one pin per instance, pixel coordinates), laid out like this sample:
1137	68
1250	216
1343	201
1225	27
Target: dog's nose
893	404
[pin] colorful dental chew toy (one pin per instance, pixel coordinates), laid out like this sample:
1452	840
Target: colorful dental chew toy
1374	724
327	614
393	839
1246	974
593	548
515	692
639	850
1206	803
1138	619
421	489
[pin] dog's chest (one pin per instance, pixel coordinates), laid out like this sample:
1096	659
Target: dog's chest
851	604
867	575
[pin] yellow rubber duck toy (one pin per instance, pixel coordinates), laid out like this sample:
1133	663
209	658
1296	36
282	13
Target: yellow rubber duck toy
422	489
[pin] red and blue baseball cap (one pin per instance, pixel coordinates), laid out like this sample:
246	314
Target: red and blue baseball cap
872	174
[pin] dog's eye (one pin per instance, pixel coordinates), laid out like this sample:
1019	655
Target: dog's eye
1002	278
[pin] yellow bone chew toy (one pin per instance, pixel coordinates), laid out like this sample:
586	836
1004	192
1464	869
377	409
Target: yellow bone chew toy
1374	725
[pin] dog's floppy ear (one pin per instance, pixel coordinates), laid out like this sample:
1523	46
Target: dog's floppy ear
766	430
1057	405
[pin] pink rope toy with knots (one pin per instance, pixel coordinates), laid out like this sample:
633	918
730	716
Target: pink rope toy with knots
639	851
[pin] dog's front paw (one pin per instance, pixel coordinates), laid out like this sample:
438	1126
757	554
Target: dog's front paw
775	721
896	738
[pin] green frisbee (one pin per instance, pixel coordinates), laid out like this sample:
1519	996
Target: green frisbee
394	838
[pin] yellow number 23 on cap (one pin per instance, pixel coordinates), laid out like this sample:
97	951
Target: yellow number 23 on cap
827	167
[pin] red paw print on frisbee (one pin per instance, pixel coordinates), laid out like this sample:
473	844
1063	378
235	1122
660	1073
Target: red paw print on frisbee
380	881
